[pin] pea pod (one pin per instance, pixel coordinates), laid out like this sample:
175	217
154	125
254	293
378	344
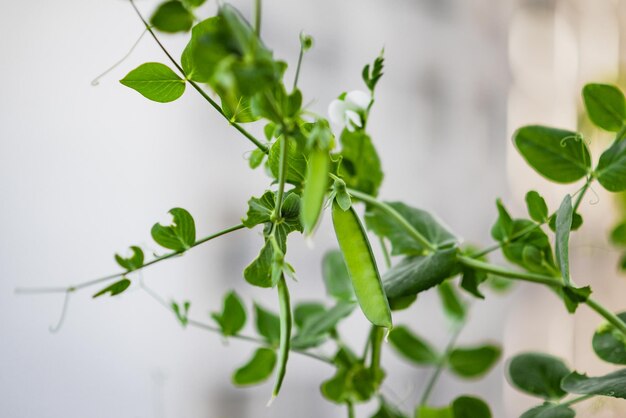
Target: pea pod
315	186
285	335
361	265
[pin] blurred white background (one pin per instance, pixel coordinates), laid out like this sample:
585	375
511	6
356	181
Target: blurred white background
85	172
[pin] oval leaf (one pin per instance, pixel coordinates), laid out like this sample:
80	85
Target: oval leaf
611	170
172	16
233	316
412	348
558	155
470	407
156	82
605	106
550	410
537	207
257	370
609	343
538	374
474	361
114	289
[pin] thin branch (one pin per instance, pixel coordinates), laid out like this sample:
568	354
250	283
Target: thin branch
199	89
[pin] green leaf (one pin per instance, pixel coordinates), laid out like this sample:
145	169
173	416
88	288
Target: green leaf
474	361
538	374
180	235
550	410
360	167
502	230
412	348
470	407
574	296
401	303
233	316
618	235
193	3
257	370
426	224
172	16
453	306
563	226
558	155
432	412
305	310
181	312
114	289
336	277
605	106
321	324
612	384
133	262
371	74
609	343
208	46
240	113
155	81
256	158
267	324
352	382
537	207
611	170
416	274
260	209
296	162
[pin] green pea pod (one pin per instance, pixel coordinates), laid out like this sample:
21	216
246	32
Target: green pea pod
361	265
315	187
285	335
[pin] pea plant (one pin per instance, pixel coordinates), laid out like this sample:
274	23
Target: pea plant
315	165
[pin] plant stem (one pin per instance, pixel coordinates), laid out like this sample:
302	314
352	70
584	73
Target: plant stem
118	275
257	18
282	176
298	66
199	89
394	214
577	400
442	363
376	336
350	406
241	337
545	280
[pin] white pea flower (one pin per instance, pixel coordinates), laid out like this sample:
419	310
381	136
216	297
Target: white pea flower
349	111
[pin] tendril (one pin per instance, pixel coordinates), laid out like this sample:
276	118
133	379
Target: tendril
576	137
96	81
66	301
596	199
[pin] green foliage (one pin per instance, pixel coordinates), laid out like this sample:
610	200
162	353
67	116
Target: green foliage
372	73
563	227
181	312
423	222
336	276
267	324
156	82
419	273
473	362
550	410
180	235
609	343
133	262
172	16
453	305
470	407
537	207
114	289
352	382
257	370
538	374
618	235
611	169
605	106
612	384
360	166
558	155
232	318
412	347
316	326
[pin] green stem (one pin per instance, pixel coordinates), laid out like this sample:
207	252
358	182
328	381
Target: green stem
199	89
376	336
350	406
295	80
257	18
545	280
441	366
241	337
385	251
118	275
282	177
394	214
576	400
